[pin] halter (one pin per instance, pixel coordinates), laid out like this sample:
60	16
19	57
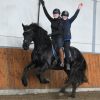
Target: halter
28	31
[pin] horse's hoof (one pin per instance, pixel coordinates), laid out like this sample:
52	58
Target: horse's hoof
61	94
24	81
45	81
66	81
72	96
62	91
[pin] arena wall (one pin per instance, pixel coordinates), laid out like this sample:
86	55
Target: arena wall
13	61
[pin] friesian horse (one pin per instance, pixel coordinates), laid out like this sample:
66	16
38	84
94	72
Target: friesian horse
42	56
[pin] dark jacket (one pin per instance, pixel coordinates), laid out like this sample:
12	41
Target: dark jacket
65	26
54	22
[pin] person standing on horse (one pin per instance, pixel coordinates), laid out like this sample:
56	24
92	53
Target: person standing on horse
57	37
65	26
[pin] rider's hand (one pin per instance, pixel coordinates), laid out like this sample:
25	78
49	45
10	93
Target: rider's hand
80	6
50	35
42	2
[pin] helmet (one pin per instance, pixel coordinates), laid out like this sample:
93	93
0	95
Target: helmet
56	11
65	13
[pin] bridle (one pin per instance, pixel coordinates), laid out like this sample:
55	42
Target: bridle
28	31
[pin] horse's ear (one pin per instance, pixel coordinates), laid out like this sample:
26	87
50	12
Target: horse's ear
23	26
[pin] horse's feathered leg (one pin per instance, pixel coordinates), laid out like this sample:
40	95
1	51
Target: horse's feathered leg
67	71
25	73
39	73
68	75
62	90
73	90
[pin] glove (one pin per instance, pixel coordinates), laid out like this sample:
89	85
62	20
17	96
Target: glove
50	35
42	2
80	5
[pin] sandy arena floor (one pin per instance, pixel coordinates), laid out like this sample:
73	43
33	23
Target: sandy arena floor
54	96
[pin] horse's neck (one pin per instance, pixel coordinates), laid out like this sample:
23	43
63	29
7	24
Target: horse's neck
42	43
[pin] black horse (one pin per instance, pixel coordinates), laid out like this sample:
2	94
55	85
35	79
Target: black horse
42	56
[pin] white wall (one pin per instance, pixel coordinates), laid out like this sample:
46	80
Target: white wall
14	12
98	27
81	27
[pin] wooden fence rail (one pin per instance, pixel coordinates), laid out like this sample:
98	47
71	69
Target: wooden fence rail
13	61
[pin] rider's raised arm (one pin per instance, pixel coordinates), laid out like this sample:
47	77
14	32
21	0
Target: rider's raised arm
45	11
76	13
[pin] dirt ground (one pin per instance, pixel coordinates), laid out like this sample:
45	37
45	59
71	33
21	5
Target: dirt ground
54	96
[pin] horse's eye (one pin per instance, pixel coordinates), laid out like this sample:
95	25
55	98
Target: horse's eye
25	41
24	34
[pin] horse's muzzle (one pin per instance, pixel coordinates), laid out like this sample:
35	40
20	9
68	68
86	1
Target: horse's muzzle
25	46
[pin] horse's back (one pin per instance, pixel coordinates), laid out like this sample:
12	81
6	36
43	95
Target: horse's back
76	52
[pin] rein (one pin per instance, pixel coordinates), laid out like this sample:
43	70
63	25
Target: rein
28	30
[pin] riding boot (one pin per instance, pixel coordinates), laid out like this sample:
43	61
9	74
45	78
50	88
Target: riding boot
61	64
54	63
68	66
67	54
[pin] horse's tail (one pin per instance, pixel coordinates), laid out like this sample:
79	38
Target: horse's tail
83	66
80	58
78	69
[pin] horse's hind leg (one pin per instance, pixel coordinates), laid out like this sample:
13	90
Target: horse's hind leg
74	86
39	74
42	79
25	73
68	75
62	90
73	90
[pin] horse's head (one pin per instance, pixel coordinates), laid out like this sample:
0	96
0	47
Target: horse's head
28	35
35	33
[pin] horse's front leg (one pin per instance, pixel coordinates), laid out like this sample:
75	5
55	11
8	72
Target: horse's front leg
25	74
39	73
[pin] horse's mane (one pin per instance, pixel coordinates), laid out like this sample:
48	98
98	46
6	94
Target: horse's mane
37	28
40	33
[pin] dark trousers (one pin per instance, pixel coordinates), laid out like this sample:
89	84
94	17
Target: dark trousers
67	50
57	42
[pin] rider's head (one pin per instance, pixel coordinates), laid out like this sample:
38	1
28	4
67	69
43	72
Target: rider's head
56	13
65	14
